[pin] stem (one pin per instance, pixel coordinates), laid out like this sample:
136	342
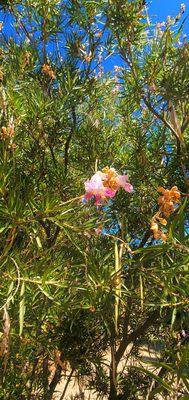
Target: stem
151	320
67	145
67	383
32	378
45	375
55	380
113	371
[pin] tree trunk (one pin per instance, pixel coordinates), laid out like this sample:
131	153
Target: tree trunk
113	373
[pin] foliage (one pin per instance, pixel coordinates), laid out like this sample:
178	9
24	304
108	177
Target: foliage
81	280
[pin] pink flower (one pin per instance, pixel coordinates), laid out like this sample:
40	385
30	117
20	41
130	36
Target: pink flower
105	184
122	181
98	231
115	181
95	188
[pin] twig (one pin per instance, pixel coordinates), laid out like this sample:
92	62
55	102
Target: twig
67	383
17	287
67	145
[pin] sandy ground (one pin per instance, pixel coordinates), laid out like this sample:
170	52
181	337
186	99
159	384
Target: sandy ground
78	391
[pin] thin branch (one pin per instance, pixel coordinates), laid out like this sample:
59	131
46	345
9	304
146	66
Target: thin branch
185	124
11	296
19	21
146	101
151	320
56	379
67	383
161	117
67	145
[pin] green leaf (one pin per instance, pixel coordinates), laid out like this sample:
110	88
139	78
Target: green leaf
22	308
45	292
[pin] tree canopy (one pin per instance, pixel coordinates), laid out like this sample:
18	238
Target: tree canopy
94	175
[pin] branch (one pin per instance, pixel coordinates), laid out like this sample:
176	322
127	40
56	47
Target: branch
52	154
67	145
163	370
67	383
54	382
185	124
27	33
174	127
47	228
145	239
162	118
151	320
12	295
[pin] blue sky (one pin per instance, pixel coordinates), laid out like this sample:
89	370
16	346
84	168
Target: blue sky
160	9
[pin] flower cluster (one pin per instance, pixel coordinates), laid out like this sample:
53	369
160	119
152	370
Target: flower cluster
7	132
168	199
47	70
105	184
27	57
182	8
156	230
167	202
